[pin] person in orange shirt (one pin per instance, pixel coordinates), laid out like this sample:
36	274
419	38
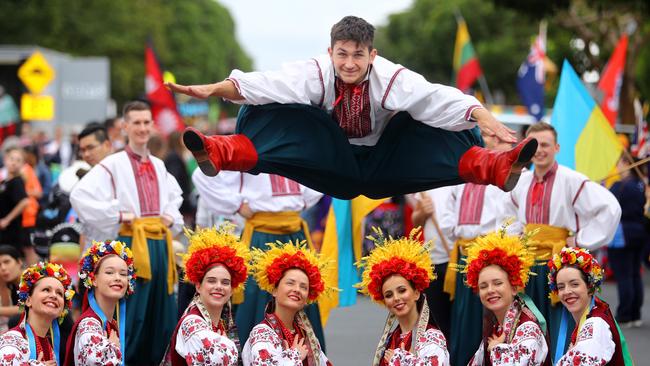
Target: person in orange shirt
34	193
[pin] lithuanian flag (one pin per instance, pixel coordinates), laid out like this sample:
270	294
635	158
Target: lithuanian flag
466	66
587	141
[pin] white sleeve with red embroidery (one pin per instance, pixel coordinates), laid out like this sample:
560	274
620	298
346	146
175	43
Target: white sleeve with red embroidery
594	345
528	348
436	105
598	213
297	82
199	345
14	350
264	348
91	347
431	350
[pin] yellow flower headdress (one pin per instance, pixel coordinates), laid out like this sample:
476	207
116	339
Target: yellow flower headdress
406	256
269	266
211	246
509	252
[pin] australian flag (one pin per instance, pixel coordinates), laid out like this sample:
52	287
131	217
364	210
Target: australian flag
530	78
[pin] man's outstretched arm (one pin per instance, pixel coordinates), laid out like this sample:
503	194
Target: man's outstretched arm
224	89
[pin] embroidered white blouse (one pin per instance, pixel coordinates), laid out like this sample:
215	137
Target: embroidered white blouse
431	350
593	346
264	348
92	347
200	345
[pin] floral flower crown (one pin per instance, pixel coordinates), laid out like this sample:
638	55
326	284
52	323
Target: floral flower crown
96	252
269	266
582	259
209	247
405	256
509	252
41	270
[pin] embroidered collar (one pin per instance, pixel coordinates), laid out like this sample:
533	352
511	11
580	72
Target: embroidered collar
548	174
133	155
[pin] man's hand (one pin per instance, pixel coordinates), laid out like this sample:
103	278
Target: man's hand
4	223
571	242
196	91
427	205
128	217
245	211
491	127
167	220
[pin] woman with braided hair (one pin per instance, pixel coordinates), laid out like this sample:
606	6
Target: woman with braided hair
217	264
575	276
295	276
98	336
395	275
497	269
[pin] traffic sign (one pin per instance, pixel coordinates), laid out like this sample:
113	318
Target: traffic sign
36	107
36	73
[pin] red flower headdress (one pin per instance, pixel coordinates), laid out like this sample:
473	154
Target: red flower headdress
269	266
509	252
209	247
406	257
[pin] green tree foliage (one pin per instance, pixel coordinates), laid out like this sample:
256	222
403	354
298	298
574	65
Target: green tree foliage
422	38
195	39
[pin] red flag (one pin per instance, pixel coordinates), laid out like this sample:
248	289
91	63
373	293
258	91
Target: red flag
611	80
163	104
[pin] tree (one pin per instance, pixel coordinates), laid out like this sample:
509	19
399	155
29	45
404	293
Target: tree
422	38
601	23
193	39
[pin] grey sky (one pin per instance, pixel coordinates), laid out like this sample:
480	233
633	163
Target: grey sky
275	31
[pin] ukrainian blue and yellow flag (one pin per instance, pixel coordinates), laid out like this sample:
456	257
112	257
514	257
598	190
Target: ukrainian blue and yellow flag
342	242
587	141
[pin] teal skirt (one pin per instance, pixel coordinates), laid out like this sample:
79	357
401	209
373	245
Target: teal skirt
466	322
305	144
151	313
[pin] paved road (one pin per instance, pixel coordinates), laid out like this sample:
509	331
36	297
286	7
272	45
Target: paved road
353	332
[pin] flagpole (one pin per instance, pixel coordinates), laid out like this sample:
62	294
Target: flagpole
484	88
481	79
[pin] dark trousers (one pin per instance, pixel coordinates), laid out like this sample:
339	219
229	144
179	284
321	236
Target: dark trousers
438	301
305	144
626	264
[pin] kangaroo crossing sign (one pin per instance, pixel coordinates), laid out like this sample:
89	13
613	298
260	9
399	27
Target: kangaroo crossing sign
36	73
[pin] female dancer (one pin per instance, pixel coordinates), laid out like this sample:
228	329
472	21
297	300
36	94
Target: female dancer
575	276
45	293
217	264
497	268
396	273
106	270
294	275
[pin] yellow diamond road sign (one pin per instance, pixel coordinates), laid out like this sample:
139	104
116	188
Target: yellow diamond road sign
36	73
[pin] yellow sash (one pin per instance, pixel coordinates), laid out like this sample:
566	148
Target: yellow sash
460	248
549	240
278	223
150	228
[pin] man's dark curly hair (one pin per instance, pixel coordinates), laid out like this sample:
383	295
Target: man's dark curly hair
352	28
